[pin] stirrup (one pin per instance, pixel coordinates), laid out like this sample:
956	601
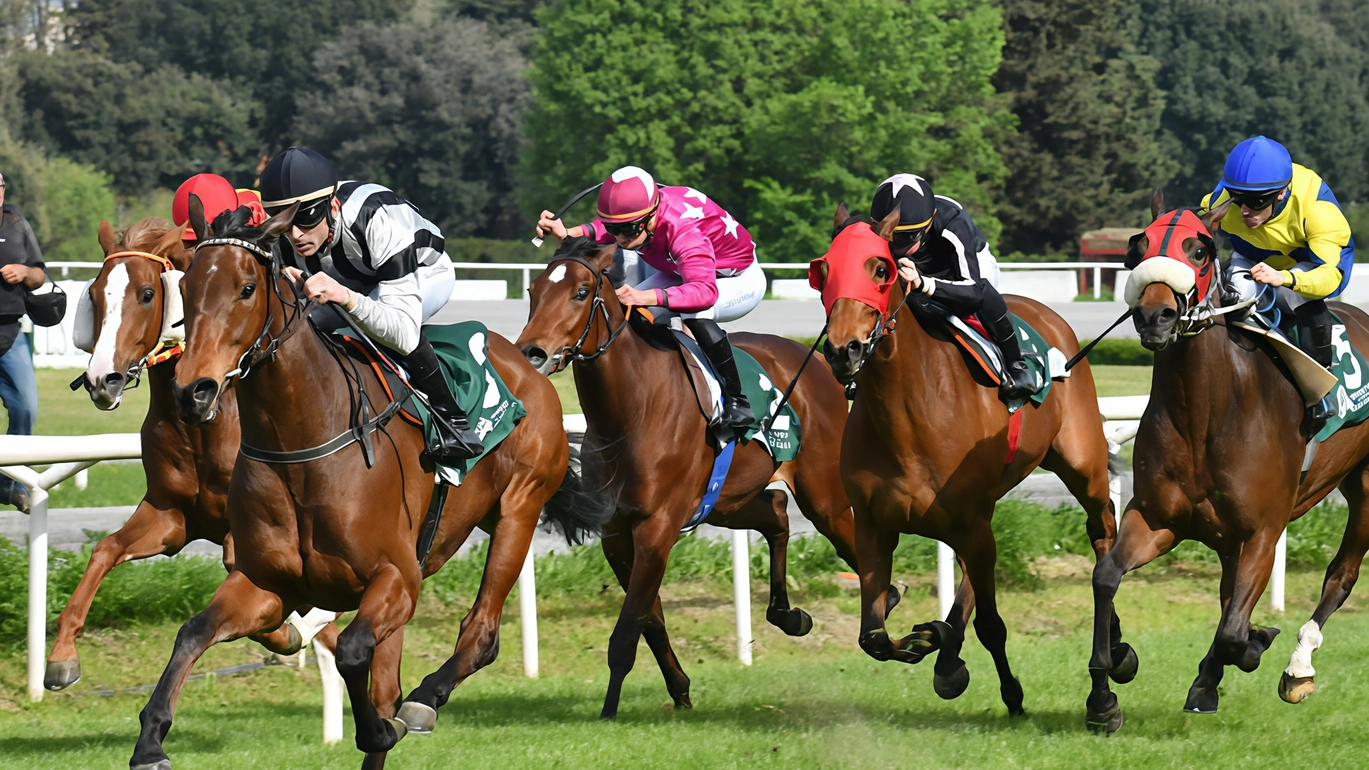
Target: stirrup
454	442
1017	381
737	412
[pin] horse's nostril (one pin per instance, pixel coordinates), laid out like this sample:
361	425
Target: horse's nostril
203	391
853	349
113	380
535	355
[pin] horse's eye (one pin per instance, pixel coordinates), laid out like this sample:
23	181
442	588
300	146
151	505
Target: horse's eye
582	294
881	272
148	295
247	291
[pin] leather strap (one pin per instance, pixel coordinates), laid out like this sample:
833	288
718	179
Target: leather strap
341	441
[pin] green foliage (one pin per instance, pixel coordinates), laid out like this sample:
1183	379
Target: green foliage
1357	214
63	201
1085	154
433	111
1120	352
776	110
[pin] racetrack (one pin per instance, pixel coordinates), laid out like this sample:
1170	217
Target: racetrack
812	702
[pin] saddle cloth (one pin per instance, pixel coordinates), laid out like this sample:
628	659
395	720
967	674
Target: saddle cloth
463	351
1045	363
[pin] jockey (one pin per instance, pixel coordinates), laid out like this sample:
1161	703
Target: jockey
374	257
943	254
706	263
1287	231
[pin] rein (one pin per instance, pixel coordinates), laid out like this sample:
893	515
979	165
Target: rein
600	307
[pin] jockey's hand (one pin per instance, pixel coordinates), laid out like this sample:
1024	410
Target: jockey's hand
548	224
636	297
908	272
1265	274
320	286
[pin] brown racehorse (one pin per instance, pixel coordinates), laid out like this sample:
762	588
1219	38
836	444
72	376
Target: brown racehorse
1218	456
331	532
647	440
187	466
924	454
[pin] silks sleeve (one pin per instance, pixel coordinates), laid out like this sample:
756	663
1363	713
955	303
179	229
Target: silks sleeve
1328	238
697	266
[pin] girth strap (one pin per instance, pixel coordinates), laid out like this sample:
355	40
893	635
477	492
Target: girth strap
360	433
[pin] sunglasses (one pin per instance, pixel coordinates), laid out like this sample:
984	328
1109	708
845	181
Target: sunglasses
907	241
1257	200
306	218
627	229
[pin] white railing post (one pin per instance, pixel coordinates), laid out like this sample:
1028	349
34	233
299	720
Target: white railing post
1276	576
527	281
741	593
332	692
945	578
527	609
38	591
1097	283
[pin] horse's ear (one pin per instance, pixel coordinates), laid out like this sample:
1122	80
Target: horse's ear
1136	249
108	241
278	225
842	215
885	228
1213	219
1157	204
173	248
197	222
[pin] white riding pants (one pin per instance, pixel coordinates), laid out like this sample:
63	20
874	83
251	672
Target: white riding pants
737	295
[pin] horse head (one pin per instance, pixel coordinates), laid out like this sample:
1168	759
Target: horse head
572	293
856	277
228	292
1176	265
129	309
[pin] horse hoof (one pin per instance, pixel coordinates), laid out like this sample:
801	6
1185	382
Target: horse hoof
682	701
950	687
164	764
1107	723
1260	639
62	674
1201	701
417	718
1125	671
295	641
794	622
891	600
1295	689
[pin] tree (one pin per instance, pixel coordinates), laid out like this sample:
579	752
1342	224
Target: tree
1088	114
777	110
1275	68
263	45
433	111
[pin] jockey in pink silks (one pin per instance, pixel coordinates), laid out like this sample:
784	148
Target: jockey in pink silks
704	262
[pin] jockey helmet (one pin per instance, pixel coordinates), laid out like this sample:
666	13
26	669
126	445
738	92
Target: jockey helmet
299	175
216	194
1256	171
912	196
627	200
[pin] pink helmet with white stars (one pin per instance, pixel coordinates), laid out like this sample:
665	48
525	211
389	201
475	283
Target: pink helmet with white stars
628	195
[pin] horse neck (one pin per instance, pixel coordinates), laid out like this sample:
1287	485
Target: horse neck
616	389
161	405
1194	376
904	381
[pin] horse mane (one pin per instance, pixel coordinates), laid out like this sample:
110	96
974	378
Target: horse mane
144	234
234	224
584	247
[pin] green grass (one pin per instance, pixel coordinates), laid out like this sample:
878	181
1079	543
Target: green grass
1121	380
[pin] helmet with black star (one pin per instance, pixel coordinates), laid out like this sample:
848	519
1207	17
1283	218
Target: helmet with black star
912	196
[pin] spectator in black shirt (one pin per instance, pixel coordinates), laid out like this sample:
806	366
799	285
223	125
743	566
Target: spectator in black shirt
21	270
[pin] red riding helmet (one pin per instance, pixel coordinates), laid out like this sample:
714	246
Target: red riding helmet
252	200
628	195
216	194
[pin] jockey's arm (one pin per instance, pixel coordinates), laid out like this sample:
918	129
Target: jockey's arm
394	316
1329	240
698	269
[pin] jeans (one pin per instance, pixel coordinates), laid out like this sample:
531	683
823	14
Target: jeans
19	392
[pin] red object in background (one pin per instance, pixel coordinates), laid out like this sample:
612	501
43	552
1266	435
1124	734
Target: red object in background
1108	244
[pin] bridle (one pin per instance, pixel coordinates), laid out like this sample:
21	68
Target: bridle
162	351
598	309
883	328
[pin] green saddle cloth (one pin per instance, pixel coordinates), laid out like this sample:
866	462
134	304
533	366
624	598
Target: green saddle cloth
463	351
785	433
1350	396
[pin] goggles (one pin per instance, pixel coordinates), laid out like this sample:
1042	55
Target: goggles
1255	200
308	215
629	229
906	242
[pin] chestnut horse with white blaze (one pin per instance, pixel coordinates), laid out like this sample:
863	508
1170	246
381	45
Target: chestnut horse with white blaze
927	449
1218	457
333	530
187	466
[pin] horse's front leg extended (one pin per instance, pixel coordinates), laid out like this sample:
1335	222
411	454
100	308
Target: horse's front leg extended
875	556
386	605
652	539
238	608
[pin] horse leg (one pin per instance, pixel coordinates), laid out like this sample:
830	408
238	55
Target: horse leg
1297	680
1136	545
875	549
827	507
385	689
979	553
477	644
652	539
767	514
237	609
148	532
386	605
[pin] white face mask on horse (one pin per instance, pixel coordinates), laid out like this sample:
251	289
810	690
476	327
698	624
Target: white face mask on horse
173	311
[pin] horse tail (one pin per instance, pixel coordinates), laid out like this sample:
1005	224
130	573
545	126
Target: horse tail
577	512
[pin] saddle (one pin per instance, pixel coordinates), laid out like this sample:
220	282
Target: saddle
1046	363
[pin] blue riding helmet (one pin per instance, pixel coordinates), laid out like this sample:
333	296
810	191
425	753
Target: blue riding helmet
1257	164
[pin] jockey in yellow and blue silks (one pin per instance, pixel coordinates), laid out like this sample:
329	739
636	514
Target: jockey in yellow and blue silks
1287	231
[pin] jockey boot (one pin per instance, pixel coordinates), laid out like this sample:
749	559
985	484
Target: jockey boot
1017	381
455	441
1314	337
713	341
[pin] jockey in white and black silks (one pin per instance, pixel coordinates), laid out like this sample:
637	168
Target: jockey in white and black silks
371	255
942	254
705	263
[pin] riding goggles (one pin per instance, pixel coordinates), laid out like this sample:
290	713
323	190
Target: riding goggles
629	229
309	213
1255	200
906	242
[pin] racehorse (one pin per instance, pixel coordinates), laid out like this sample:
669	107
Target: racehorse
338	532
647	439
925	447
1218	457
187	466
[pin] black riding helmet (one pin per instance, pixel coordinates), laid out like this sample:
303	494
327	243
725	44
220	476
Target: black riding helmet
912	196
299	175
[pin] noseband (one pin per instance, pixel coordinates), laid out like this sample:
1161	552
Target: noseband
883	327
599	306
162	352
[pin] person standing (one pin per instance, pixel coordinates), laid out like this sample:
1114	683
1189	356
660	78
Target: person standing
21	271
